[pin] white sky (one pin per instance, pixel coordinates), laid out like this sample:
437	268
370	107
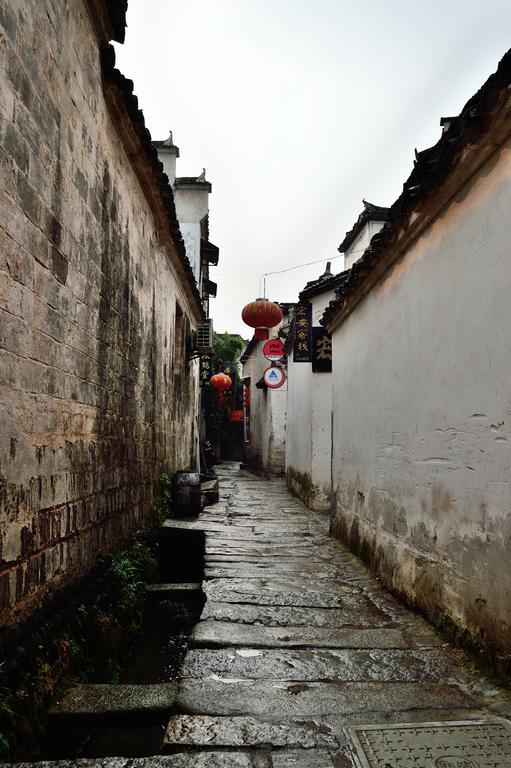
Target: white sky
298	109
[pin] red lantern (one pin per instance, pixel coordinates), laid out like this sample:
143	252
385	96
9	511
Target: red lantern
262	314
221	383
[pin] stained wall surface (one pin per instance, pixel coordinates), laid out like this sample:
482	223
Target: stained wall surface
309	425
266	448
422	415
96	395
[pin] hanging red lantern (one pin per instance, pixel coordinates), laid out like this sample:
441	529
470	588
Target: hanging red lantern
262	314
221	383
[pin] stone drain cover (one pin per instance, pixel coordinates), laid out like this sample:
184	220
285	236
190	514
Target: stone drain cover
455	744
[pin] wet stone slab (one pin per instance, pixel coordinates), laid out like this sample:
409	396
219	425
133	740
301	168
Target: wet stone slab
278	592
312	664
233	696
221	633
357	611
101	700
202	730
320	571
220	759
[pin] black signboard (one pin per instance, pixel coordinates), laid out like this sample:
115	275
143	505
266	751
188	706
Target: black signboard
205	370
302	347
230	369
321	351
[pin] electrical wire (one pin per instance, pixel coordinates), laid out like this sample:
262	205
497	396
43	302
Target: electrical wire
279	271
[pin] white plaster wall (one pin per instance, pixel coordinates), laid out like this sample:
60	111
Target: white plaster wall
321	443
191	208
299	423
266	449
308	444
191	238
422	415
169	164
357	248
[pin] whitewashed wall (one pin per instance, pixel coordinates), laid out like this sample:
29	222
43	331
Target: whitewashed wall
266	449
191	208
422	416
308	443
357	248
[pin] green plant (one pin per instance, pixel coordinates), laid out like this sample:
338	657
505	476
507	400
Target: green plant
129	570
162	507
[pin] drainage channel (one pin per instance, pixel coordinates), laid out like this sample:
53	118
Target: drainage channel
174	605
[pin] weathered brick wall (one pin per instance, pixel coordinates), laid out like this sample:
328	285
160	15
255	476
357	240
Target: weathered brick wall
93	404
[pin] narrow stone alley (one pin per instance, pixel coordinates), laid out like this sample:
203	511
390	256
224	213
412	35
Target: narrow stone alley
297	648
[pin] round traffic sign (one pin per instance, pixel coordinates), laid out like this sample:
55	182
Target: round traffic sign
273	349
274	377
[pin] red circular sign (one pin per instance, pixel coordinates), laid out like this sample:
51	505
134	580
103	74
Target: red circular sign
274	377
273	349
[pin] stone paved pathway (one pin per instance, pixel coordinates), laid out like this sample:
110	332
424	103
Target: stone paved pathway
296	643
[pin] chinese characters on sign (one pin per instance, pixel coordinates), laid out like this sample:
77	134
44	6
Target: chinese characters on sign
321	351
205	370
302	348
274	350
230	370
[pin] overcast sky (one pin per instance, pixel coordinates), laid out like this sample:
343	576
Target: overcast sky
298	109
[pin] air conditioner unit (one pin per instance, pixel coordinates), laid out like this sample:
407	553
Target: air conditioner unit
204	337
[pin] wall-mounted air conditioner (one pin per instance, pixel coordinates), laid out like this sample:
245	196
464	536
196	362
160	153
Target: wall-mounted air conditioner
204	338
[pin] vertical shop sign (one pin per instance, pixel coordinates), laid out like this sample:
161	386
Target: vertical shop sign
321	351
302	347
205	370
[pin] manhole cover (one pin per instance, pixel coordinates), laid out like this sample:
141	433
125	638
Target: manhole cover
461	744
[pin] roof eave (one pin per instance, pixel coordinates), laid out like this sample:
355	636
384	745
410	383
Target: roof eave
477	134
130	124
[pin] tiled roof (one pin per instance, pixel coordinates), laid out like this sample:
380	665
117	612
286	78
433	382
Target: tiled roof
323	284
209	252
116	10
486	114
193	181
247	352
167	145
153	175
370	213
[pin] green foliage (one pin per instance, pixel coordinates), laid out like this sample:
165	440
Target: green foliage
227	348
129	570
95	642
162	507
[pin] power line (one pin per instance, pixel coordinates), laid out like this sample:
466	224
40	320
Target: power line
308	264
278	271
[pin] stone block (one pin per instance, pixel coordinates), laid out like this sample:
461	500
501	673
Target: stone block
13	143
8	21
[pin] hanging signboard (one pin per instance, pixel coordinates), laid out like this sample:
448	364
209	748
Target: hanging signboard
274	350
205	370
302	347
321	351
274	377
230	369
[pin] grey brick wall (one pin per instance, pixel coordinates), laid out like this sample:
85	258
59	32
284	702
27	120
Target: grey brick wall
90	409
